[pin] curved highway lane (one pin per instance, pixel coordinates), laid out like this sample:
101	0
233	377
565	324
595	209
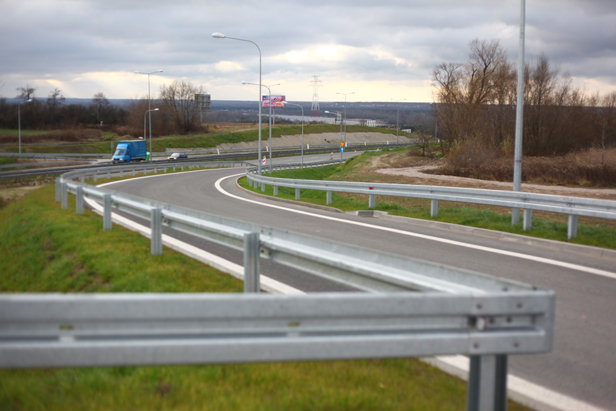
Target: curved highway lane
582	364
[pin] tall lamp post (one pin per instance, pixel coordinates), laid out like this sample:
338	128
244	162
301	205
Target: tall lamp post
517	162
149	107
19	121
144	116
270	118
397	117
344	119
222	36
294	104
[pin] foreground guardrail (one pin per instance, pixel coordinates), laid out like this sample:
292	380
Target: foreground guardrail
572	206
412	308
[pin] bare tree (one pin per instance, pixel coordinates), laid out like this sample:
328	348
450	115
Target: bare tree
55	98
100	103
26	92
178	101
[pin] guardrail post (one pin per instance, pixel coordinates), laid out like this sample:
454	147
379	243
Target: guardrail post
156	240
121	173
487	383
515	215
528	219
108	175
371	201
79	200
64	195
95	175
433	208
297	193
275	191
263	187
133	172
251	263
58	190
329	198
572	226
107	212
155	170
82	179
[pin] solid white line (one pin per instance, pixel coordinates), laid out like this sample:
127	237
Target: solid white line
525	392
519	389
236	270
423	236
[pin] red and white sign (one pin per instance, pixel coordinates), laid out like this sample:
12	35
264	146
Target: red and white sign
331	157
263	160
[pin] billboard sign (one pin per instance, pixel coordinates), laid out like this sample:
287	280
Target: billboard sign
277	101
203	101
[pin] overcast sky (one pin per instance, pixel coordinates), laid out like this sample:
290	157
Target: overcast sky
380	50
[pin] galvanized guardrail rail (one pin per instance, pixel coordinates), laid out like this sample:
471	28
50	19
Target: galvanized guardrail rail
572	206
412	307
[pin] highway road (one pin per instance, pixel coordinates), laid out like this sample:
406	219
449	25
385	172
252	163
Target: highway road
582	364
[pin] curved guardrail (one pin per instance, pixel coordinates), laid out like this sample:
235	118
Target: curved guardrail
447	311
572	206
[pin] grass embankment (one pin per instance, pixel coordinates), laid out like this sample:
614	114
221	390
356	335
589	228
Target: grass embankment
44	249
593	232
195	140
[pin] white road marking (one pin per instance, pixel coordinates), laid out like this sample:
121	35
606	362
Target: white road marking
519	389
425	237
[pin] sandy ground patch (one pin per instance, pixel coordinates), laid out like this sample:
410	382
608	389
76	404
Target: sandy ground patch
417	175
13	193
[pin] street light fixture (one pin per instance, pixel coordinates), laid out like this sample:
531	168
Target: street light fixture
149	106
397	117
144	115
270	118
222	36
19	121
344	119
294	104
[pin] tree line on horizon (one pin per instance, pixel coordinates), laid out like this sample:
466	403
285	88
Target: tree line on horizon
476	107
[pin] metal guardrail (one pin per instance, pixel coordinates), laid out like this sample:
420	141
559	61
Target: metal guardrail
573	206
54	155
26	165
412	308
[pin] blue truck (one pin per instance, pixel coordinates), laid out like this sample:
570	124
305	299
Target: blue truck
130	150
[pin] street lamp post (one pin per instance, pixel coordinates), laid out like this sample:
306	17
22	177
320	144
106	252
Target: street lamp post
222	36
517	162
149	107
19	121
294	104
144	116
397	117
269	90
344	119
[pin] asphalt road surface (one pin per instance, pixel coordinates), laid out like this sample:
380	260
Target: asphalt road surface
582	364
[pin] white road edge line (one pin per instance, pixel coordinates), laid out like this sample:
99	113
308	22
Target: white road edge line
425	237
520	390
268	284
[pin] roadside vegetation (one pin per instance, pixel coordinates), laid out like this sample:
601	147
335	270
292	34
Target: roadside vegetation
591	231
46	249
97	141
